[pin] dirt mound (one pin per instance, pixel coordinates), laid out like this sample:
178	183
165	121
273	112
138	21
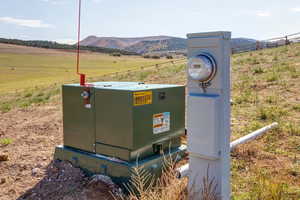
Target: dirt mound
53	185
62	181
29	172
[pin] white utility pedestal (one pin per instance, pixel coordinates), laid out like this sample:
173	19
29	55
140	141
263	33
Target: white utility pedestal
208	114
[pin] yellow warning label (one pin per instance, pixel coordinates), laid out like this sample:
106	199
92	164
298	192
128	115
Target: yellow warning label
142	98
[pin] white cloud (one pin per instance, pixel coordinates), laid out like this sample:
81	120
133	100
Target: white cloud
32	23
97	1
295	9
66	41
263	14
55	2
62	2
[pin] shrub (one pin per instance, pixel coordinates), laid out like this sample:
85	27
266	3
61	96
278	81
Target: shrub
296	107
265	188
116	54
155	57
253	61
5	141
258	70
274	99
29	94
293	129
274	76
273	113
5	107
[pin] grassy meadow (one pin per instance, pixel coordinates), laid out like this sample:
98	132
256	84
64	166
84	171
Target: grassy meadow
265	89
25	67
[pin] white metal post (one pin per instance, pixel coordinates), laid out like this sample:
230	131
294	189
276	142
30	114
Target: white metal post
208	114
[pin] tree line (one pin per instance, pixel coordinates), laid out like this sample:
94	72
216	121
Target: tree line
55	45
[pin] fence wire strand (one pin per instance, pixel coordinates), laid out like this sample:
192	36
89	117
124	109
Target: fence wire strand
268	43
258	45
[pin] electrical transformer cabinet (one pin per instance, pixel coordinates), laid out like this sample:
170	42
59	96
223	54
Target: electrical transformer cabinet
124	121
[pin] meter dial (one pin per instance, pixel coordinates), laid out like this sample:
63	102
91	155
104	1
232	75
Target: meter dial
202	68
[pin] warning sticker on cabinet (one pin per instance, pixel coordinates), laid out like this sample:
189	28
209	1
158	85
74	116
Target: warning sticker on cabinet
142	98
161	122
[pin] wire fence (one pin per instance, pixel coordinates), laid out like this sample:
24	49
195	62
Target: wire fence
253	46
268	43
156	66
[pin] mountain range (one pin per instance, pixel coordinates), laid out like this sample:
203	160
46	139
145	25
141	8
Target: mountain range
144	45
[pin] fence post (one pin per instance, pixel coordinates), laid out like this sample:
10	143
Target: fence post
257	45
287	42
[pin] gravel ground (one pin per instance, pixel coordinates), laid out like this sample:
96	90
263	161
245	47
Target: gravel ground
30	172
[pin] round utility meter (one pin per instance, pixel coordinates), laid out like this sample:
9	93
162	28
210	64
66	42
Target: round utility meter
202	68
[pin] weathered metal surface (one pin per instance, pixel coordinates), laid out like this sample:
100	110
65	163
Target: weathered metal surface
125	120
122	125
78	122
120	171
132	155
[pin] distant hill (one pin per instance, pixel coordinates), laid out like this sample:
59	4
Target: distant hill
129	46
55	45
120	43
142	45
170	44
242	44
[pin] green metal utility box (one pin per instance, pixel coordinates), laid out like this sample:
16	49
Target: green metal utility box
122	121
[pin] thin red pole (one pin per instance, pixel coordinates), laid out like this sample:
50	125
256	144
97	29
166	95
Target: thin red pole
82	76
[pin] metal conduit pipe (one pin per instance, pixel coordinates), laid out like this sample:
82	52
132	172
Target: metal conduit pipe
183	170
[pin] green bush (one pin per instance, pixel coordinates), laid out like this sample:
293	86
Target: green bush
273	113
116	54
273	76
155	57
5	107
258	70
296	107
5	141
29	94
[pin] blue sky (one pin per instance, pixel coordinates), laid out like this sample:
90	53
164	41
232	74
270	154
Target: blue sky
56	19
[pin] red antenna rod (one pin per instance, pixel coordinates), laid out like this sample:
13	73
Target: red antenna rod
82	76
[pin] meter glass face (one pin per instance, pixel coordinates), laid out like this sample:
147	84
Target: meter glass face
200	68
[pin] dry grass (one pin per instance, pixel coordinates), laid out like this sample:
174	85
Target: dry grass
265	88
144	186
209	188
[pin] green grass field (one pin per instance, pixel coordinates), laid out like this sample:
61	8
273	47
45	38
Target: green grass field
24	67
